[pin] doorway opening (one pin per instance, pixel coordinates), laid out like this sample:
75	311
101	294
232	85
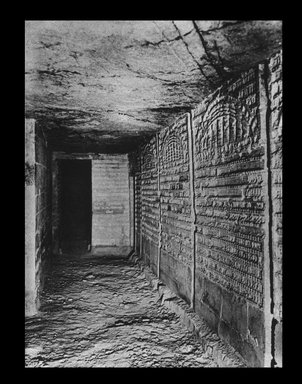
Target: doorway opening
75	205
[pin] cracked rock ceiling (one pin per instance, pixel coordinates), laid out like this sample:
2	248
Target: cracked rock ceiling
104	86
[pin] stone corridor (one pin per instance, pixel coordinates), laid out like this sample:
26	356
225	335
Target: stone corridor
165	138
100	311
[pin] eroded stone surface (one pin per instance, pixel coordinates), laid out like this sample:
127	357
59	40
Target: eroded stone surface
101	312
103	85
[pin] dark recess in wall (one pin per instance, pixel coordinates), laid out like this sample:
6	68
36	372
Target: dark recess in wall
76	204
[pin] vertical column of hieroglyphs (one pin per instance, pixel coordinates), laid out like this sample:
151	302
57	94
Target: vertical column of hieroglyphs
275	95
149	203
134	161
229	163
176	252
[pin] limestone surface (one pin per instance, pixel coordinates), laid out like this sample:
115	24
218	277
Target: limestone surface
105	85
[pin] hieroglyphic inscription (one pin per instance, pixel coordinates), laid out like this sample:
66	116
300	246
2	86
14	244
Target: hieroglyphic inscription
175	192
137	197
172	150
228	127
149	194
245	87
149	157
229	163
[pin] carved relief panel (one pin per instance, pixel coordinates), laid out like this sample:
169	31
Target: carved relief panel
229	166
175	191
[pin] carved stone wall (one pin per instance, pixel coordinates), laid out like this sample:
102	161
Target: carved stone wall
230	209
150	203
176	242
223	227
135	171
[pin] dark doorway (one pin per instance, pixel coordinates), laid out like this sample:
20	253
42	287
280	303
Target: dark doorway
75	228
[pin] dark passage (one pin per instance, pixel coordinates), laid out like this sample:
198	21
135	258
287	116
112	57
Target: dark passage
75	205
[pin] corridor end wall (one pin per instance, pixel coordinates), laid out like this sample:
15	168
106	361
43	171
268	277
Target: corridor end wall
111	214
110	201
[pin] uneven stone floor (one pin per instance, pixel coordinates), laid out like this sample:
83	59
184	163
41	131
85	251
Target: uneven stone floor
101	312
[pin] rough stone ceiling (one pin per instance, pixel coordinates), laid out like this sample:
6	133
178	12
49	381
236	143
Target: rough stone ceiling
105	85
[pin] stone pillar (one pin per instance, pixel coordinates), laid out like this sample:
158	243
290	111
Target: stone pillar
30	219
